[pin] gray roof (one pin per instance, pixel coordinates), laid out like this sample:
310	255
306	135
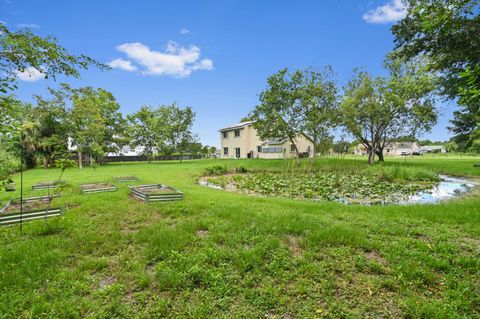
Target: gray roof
432	147
400	144
236	126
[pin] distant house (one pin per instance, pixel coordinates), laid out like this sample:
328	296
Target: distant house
241	141
433	149
391	149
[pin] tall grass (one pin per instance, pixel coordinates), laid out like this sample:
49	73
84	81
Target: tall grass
401	173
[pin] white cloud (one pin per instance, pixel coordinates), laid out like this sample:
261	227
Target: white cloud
176	60
390	12
28	25
30	75
184	31
122	65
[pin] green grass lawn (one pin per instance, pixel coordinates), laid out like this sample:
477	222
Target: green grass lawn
219	254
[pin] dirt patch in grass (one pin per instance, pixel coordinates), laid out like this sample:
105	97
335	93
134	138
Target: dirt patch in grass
293	244
202	233
106	282
374	256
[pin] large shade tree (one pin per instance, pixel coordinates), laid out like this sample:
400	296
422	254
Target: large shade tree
96	125
319	106
142	132
377	109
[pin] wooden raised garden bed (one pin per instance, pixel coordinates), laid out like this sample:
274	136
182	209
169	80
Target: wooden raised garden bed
47	185
97	188
126	178
155	193
33	208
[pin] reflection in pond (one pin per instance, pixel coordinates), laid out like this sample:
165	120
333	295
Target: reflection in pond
449	187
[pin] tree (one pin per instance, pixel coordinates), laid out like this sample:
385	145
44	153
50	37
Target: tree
143	131
375	110
451	147
279	114
46	129
325	144
341	147
87	124
446	31
175	127
466	122
319	105
23	51
12	112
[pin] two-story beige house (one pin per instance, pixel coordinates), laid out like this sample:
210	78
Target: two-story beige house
241	141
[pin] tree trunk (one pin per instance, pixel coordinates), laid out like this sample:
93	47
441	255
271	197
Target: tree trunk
380	156
371	156
80	162
45	162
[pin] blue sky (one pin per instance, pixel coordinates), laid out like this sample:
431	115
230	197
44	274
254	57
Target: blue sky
214	56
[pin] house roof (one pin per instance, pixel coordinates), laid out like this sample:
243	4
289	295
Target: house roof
236	126
400	144
433	147
277	141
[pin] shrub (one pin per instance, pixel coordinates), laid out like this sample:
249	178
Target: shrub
216	170
240	169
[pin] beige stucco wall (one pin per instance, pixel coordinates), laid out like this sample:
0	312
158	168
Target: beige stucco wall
248	141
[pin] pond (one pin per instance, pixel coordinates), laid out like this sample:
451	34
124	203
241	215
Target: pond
449	187
344	188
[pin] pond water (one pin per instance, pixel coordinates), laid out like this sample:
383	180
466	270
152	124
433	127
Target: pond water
448	188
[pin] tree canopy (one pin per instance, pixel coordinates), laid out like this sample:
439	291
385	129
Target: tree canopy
23	51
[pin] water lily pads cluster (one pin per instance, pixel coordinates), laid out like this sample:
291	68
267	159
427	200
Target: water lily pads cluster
341	186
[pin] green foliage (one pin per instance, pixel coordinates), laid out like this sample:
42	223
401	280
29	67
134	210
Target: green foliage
401	173
23	51
279	114
466	121
166	129
216	170
63	164
447	33
302	102
377	109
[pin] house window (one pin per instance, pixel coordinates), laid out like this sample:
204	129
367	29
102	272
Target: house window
259	149
225	151
237	133
272	149
225	134
293	148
